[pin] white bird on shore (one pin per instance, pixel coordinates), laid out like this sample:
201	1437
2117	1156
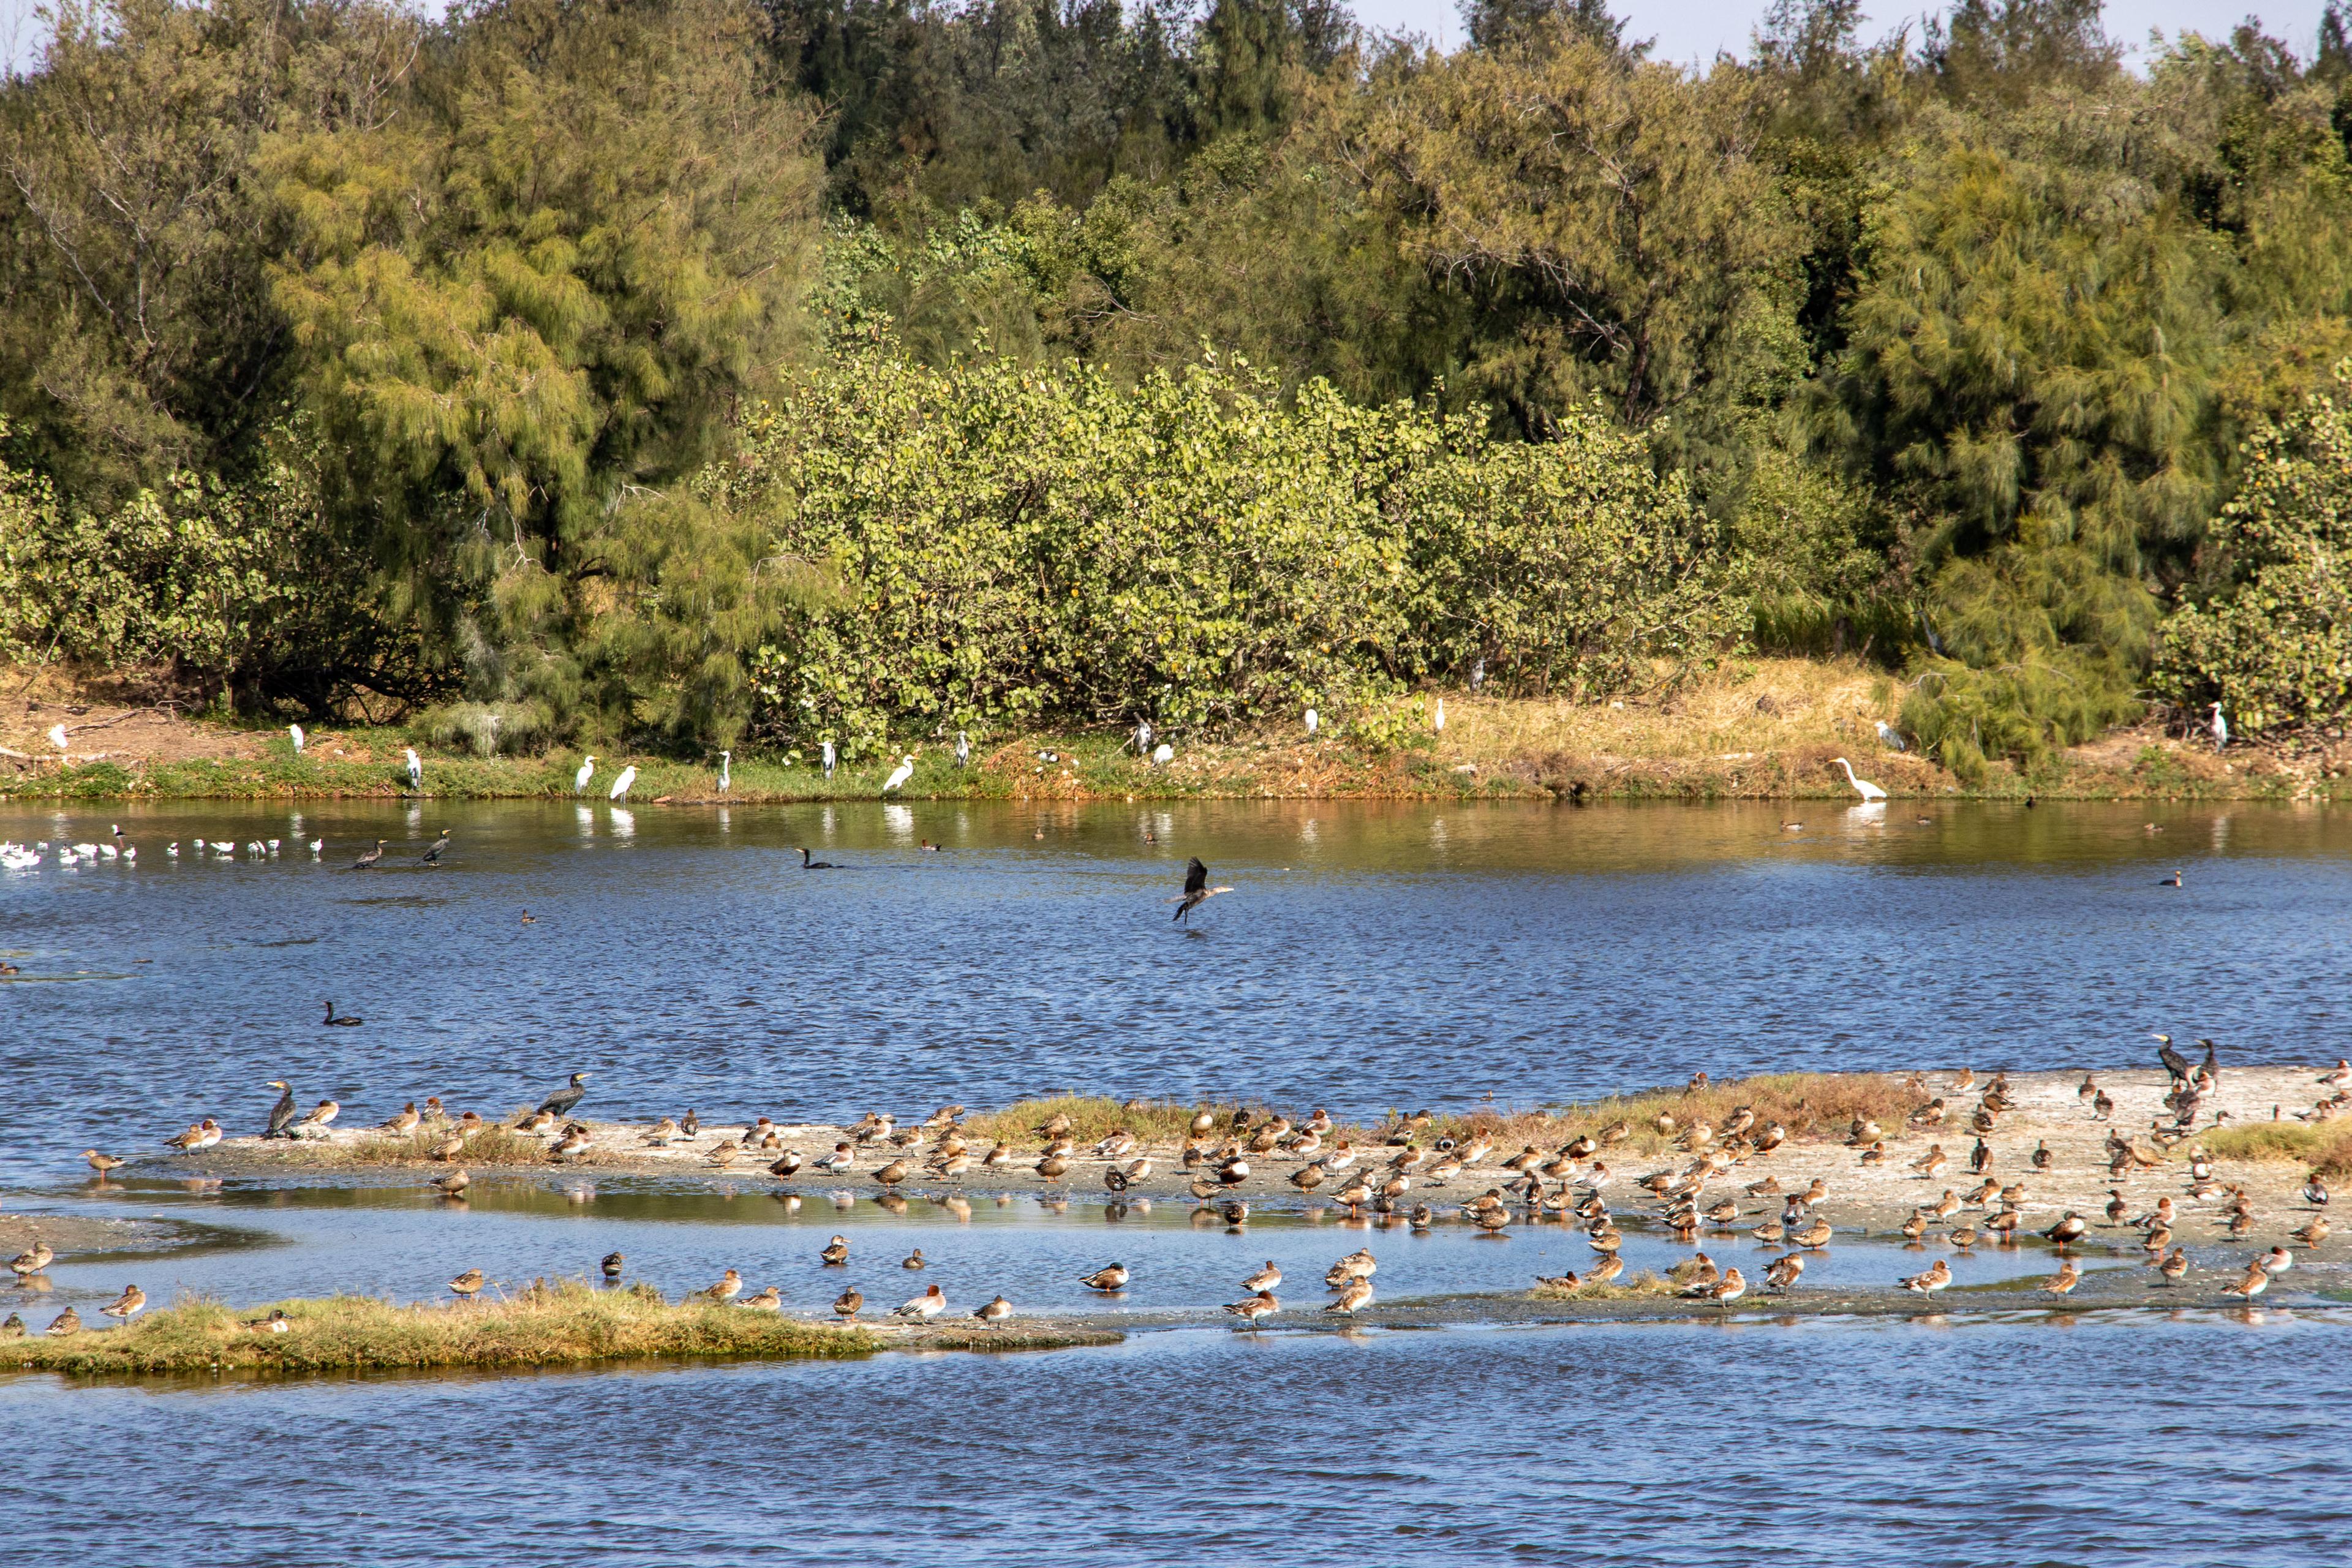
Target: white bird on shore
1438	723
1889	737
1163	754
828	759
930	1304
415	768
2220	727
899	774
294	733
1869	791
621	786
1314	720
726	771
587	770
57	739
1143	737
964	750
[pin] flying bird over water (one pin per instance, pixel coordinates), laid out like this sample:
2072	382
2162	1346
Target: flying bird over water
1197	890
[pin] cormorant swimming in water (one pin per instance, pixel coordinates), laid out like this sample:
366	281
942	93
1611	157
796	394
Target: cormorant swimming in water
433	856
560	1102
370	858
809	865
281	1115
1197	890
341	1021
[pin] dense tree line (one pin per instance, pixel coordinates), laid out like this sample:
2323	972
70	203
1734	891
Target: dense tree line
506	363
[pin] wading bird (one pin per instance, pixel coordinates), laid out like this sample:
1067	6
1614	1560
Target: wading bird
619	790
1197	890
2220	728
294	733
433	856
828	759
1889	737
809	865
1870	793
726	771
964	750
416	768
587	770
899	775
370	858
281	1115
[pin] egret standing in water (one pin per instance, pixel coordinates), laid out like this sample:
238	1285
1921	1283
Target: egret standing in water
1197	890
899	774
440	846
416	768
2220	727
587	770
294	733
621	786
726	771
1870	793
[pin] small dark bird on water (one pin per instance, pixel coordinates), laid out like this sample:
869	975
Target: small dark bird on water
613	1261
433	856
370	858
2171	881
809	865
528	918
1197	890
560	1102
281	1115
340	1020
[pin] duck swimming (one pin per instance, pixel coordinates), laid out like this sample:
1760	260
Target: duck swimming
1108	1278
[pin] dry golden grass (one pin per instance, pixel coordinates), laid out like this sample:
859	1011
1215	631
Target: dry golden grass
1093	1117
545	1325
2324	1147
1808	1104
1763	705
493	1145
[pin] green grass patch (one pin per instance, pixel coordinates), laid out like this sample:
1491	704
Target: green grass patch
2325	1147
557	1324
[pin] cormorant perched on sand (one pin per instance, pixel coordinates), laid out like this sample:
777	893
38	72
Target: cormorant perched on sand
1197	890
433	856
281	1115
370	858
560	1102
2174	1062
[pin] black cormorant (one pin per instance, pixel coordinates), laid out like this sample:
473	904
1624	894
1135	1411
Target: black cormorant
433	856
1197	890
340	1020
2174	1062
281	1115
809	865
370	858
560	1102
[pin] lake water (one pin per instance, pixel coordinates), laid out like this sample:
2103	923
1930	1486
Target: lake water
1370	956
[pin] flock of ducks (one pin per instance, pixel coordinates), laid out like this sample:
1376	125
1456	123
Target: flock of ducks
1569	1183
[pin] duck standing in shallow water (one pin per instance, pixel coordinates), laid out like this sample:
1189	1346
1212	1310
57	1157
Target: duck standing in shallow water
836	1251
1255	1308
1108	1278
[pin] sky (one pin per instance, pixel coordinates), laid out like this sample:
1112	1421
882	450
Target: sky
1684	29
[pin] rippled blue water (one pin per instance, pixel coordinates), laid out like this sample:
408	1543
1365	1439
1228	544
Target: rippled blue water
2195	1441
1370	955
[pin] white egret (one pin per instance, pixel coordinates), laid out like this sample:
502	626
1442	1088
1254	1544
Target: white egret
828	759
294	733
1862	787
964	750
2220	727
318	848
57	736
726	771
1164	754
1439	723
1889	737
1314	720
587	770
416	768
621	786
899	774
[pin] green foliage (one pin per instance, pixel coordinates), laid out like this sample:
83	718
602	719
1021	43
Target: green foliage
2274	646
528	306
1811	546
1012	546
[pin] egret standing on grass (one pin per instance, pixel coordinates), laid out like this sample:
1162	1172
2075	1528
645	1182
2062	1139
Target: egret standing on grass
1314	720
1143	737
2220	727
416	768
899	774
726	771
621	786
1870	793
294	733
57	739
587	770
1439	723
828	759
964	750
